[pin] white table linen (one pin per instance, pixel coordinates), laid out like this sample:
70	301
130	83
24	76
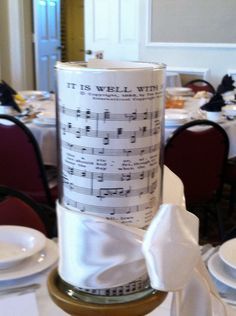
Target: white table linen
45	135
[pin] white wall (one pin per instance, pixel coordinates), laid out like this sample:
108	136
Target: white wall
217	59
4	41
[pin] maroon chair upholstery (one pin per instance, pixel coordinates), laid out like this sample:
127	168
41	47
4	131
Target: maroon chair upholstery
200	85
230	179
197	153
14	211
17	208
21	165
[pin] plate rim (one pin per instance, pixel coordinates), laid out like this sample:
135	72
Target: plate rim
39	122
51	257
40	94
217	275
40	243
233	266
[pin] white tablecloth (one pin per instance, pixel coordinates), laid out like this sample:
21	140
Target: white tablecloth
45	135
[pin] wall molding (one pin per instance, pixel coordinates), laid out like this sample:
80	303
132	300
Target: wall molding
201	72
150	43
232	72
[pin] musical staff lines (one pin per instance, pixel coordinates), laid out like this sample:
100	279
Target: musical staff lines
111	152
111	157
108	210
79	132
112	192
106	115
101	176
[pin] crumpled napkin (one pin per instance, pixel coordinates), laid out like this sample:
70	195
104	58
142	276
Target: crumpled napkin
7	94
227	84
215	104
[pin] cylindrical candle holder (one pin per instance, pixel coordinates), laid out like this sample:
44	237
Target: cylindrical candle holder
110	121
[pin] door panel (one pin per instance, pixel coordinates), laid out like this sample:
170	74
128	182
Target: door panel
111	26
47	42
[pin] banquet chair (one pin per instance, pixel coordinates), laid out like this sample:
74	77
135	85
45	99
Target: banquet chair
230	179
200	85
197	153
19	209
21	164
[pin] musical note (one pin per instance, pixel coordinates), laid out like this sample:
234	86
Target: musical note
144	130
125	177
88	114
113	212
119	131
71	170
78	113
87	130
133	138
145	115
141	176
106	140
106	115
83	174
100	177
77	133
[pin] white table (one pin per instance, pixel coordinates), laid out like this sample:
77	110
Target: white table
45	135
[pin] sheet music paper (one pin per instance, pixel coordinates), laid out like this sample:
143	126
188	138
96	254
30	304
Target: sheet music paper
110	122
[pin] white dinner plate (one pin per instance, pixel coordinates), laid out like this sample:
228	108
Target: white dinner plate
47	117
172	123
34	94
176	117
220	271
18	243
227	252
41	122
35	264
229	110
180	91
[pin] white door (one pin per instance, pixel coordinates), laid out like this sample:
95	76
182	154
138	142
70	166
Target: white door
111	26
47	42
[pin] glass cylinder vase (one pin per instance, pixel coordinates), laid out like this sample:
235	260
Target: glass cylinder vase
110	123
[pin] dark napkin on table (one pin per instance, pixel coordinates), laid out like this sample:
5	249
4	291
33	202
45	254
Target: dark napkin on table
215	103
227	84
7	96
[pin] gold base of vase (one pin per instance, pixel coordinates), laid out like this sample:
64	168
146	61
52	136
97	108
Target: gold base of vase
139	307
